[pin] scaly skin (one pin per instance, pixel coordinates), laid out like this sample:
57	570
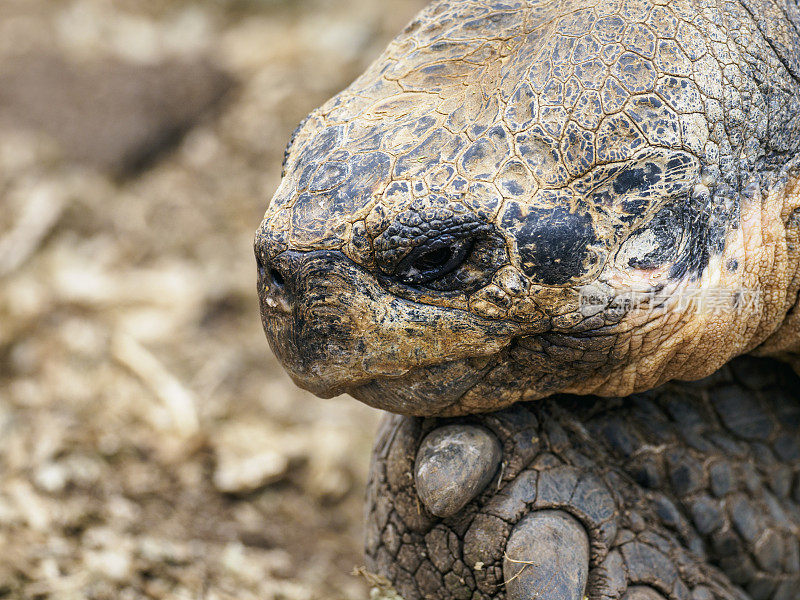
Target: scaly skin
684	492
522	198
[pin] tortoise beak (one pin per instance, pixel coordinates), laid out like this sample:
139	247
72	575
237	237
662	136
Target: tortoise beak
305	317
336	330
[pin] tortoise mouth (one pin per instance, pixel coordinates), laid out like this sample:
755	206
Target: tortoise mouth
342	331
424	391
330	365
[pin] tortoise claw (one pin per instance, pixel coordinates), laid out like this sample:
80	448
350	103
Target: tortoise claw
642	593
547	556
454	463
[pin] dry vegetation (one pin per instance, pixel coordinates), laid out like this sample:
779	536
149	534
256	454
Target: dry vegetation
150	446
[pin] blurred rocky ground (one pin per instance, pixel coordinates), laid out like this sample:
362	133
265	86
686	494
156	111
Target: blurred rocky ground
150	446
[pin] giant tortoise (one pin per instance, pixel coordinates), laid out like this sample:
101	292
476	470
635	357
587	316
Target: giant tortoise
576	214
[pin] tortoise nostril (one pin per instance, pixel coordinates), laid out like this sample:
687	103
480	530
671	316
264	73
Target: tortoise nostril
274	292
277	278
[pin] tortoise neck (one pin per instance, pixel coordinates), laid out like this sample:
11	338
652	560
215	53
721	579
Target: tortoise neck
784	343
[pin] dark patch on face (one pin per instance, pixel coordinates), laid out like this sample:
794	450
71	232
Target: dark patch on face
552	243
328	176
360	239
635	207
637	179
695	215
577	147
366	171
687	231
322	146
632	191
677	163
732	265
422	126
396	188
513	187
666	230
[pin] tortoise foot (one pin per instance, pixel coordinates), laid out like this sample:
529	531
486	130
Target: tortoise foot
659	496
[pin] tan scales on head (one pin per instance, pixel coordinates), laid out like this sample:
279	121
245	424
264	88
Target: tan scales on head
523	198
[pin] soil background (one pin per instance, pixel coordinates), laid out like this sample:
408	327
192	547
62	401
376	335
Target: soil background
150	445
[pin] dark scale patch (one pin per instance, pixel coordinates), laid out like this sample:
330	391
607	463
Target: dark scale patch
438	147
635	207
637	179
677	163
289	145
664	233
322	146
359	238
306	174
341	155
552	243
513	187
329	175
366	172
422	126
732	265
577	149
694	217
318	214
397	188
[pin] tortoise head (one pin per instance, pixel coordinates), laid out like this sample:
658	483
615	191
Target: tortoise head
478	222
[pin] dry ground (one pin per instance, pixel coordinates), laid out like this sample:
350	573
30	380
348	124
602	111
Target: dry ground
150	446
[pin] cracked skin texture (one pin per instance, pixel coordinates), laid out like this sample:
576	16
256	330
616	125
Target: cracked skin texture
522	198
686	492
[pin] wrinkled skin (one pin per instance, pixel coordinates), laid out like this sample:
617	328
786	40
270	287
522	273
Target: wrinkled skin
686	492
526	198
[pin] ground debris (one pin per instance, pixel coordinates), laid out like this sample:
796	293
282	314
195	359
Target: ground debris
42	209
118	116
178	401
380	587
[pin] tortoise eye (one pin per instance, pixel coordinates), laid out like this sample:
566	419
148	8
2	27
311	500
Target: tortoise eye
435	259
424	265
